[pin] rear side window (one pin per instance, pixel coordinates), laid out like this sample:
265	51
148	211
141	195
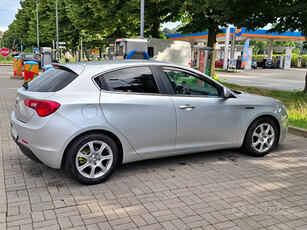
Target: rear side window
52	80
136	79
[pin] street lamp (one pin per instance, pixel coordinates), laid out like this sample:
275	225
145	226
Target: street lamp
37	29
142	19
57	29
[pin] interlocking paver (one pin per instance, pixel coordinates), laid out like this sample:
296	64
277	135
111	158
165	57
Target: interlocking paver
65	222
215	190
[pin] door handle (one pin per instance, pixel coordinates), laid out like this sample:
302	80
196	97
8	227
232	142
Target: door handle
187	107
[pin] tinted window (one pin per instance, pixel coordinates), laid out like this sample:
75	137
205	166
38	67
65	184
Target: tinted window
138	79
52	80
150	52
187	84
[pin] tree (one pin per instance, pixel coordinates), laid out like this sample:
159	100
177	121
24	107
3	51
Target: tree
17	30
202	15
290	15
284	15
118	19
23	29
101	19
249	14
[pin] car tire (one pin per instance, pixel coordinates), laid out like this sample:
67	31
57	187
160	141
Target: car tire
261	137
92	158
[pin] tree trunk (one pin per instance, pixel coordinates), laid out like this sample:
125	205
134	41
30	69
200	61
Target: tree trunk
154	30
305	90
212	32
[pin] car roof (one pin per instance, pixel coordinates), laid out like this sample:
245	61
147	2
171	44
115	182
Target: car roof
30	53
25	54
95	67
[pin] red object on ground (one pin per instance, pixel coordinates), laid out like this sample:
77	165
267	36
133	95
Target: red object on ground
219	63
4	52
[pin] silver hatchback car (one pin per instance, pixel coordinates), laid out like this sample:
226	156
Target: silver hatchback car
90	117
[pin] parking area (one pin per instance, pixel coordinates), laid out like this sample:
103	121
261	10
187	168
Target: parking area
293	79
214	190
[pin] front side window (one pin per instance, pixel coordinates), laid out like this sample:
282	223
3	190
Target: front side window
137	79
187	84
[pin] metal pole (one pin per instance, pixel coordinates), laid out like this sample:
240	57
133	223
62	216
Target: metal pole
233	43
270	49
53	47
37	29
57	29
142	19
226	47
82	49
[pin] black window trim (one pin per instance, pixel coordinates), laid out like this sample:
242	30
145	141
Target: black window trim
104	87
171	90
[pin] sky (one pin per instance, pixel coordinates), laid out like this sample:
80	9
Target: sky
8	9
170	25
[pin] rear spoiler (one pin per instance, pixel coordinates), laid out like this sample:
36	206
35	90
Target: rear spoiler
74	68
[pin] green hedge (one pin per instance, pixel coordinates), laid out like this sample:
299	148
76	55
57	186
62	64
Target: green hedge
295	57
8	58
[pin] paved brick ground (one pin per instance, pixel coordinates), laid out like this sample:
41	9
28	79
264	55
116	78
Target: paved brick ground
215	190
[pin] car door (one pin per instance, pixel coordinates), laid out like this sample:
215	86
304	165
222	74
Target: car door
205	120
133	102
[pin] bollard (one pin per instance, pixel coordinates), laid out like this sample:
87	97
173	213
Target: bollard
46	67
31	70
17	66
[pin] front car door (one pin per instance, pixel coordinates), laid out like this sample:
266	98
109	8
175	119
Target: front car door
133	102
205	120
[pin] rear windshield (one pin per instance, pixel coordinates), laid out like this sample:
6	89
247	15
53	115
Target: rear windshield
52	80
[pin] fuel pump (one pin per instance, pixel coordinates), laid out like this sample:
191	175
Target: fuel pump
205	60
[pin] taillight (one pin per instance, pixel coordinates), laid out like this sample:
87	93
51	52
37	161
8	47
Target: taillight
43	108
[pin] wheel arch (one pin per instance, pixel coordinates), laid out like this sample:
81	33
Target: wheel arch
110	134
273	118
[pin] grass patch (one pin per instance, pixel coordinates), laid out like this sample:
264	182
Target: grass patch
295	101
226	70
9	59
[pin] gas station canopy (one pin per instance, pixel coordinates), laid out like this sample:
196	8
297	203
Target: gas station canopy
241	34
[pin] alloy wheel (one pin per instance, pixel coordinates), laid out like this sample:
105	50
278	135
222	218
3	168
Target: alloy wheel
94	159
263	137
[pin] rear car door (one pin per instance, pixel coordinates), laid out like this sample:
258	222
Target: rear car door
135	103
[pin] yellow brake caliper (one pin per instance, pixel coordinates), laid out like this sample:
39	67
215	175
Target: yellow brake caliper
81	159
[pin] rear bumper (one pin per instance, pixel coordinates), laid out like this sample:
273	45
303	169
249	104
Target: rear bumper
27	152
43	141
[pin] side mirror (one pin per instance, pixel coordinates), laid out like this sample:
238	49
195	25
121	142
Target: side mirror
226	93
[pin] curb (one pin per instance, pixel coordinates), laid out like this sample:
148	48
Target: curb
17	77
297	131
